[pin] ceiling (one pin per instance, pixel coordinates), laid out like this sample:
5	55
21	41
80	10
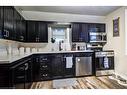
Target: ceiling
82	10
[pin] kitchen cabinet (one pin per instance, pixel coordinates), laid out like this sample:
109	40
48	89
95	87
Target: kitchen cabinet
31	31
42	32
84	34
39	67
12	24
8	17
4	77
69	71
22	36
42	67
21	75
75	32
1	21
58	66
96	27
37	31
52	66
17	74
19	27
80	31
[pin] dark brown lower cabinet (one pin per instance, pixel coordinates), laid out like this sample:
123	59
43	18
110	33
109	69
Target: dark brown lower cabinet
21	75
42	67
17	75
38	67
57	66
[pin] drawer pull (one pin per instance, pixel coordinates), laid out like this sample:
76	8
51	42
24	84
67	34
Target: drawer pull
44	59
20	77
44	75
44	66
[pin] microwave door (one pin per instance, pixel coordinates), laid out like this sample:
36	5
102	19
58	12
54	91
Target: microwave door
95	38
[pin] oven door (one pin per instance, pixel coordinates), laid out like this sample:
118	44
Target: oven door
105	63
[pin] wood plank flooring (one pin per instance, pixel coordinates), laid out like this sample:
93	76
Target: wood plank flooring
92	82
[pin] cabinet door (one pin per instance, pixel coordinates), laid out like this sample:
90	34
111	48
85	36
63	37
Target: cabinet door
1	21
42	32
17	25
80	32
8	22
28	74
96	27
101	27
31	31
75	32
21	74
69	71
4	77
18	76
84	34
22	36
58	67
36	68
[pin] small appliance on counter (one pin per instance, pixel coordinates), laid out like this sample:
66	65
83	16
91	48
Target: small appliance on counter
94	46
104	61
73	47
81	48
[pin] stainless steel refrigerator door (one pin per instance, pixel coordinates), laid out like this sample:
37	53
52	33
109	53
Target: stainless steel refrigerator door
83	66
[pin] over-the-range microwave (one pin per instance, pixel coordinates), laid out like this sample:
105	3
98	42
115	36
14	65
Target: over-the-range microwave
97	37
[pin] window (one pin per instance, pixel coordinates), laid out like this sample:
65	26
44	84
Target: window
59	33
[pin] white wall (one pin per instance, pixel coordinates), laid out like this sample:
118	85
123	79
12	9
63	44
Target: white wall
117	43
61	17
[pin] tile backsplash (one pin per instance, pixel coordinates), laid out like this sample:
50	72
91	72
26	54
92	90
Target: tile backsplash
8	47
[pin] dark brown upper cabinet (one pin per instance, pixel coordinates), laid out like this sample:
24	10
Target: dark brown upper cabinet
19	27
80	31
8	25
37	31
12	24
1	21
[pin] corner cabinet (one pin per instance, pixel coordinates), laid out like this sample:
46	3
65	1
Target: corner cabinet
12	24
37	31
21	75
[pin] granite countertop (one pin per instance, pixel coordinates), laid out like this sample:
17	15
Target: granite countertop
12	58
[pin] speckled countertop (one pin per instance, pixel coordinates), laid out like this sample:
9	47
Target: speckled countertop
12	58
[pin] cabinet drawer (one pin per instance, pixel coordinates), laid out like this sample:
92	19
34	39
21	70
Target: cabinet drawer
44	67
19	79
45	76
44	59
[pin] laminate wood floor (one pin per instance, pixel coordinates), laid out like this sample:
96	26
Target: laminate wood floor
91	82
